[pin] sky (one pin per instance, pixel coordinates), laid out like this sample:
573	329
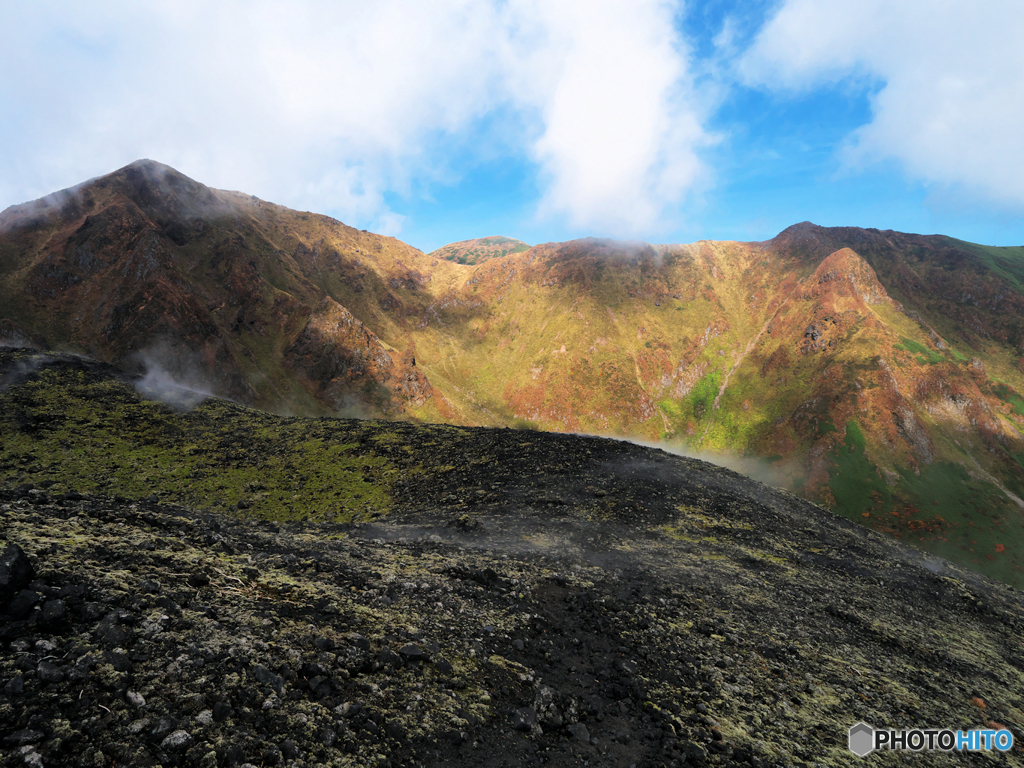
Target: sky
443	121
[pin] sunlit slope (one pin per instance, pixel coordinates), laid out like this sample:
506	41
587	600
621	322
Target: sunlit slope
591	335
756	349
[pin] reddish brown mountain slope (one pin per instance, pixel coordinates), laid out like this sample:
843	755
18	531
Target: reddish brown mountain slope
250	295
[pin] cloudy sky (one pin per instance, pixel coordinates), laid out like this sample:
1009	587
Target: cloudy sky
450	119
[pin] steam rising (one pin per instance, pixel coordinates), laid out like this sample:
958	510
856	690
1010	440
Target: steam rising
750	466
15	340
11	335
21	371
173	376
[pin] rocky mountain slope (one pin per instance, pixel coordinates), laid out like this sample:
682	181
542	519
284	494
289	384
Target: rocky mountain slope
876	372
453	595
260	303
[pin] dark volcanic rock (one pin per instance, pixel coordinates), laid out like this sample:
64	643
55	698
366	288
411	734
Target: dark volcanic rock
699	619
22	604
221	711
411	651
268	678
111	633
178	740
15	686
579	730
53	611
524	719
16	573
48	672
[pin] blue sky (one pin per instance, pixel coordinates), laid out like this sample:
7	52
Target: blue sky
443	121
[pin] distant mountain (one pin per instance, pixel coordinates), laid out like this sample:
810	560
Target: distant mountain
480	250
878	372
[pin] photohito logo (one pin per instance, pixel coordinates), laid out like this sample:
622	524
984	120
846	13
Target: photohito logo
864	739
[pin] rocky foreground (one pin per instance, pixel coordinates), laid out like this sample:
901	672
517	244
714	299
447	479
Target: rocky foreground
743	633
449	595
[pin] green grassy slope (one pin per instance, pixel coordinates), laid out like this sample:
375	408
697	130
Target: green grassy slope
734	349
1006	262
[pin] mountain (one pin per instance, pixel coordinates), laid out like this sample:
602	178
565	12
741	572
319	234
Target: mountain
265	305
874	371
480	250
220	586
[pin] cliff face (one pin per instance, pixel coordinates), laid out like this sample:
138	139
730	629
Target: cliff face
878	372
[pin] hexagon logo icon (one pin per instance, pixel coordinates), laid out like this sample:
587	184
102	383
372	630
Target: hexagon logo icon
862	739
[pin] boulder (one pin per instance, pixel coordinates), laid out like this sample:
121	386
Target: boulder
16	573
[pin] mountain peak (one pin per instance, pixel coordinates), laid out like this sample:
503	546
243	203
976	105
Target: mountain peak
145	164
846	273
152	185
803	226
803	238
160	191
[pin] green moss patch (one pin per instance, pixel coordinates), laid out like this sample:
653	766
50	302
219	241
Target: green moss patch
70	430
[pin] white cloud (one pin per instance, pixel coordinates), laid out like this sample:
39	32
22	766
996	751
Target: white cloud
950	107
334	105
621	122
